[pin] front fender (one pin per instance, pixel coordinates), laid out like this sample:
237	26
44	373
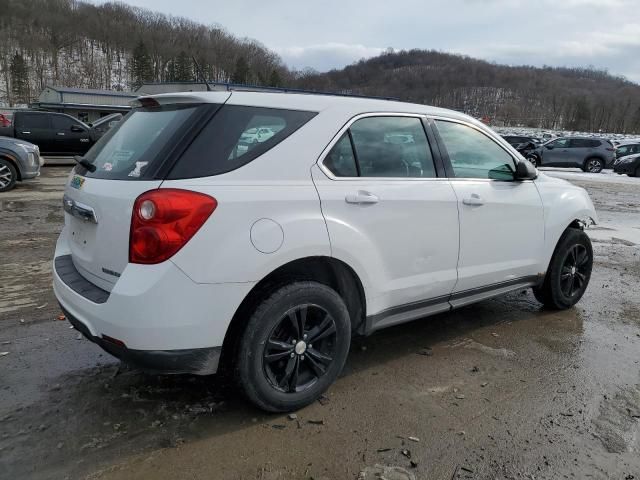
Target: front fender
564	204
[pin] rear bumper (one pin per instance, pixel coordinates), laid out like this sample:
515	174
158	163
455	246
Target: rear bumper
165	321
199	361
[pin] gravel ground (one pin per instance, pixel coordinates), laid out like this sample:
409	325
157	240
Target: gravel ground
501	389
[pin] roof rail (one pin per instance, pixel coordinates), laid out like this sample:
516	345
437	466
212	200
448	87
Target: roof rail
261	88
232	86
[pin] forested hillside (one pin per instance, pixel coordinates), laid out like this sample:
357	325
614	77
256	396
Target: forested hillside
558	98
115	46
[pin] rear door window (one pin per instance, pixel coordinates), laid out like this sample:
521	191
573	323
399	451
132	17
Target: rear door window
135	147
340	160
392	147
32	120
235	136
583	143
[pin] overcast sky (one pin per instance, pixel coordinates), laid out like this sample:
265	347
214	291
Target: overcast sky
334	33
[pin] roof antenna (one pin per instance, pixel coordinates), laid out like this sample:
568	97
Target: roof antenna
201	74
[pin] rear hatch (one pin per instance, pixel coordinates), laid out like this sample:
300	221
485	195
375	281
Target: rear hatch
130	159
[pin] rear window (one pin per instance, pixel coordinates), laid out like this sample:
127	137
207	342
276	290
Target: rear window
135	147
32	120
235	136
584	143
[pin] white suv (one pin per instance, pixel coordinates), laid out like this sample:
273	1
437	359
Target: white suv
182	252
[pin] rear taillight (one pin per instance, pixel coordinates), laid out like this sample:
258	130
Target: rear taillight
164	220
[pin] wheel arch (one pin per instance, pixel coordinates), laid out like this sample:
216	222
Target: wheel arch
12	160
326	270
579	222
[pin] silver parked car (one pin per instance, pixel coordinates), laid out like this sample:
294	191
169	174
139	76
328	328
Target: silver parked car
19	160
590	154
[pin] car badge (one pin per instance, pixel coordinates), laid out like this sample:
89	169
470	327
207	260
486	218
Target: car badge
77	182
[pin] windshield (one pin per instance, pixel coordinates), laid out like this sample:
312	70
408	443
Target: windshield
136	144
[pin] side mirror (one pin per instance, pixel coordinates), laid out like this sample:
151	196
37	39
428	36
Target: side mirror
525	171
550	147
77	129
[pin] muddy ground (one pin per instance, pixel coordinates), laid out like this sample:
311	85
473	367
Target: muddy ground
501	389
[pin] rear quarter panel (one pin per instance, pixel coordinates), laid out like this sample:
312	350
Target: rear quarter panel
223	250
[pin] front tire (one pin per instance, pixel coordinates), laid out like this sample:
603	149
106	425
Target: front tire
569	271
294	346
8	175
593	165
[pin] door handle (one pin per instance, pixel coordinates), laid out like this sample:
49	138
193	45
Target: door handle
61	133
361	197
473	200
27	133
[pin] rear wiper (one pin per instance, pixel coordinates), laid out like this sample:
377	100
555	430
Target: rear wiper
85	163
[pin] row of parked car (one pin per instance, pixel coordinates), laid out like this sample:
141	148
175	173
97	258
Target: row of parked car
26	135
590	154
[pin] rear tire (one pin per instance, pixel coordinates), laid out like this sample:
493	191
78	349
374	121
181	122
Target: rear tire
8	175
293	347
569	271
593	165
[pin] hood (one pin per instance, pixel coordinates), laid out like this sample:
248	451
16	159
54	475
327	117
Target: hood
12	143
629	158
546	179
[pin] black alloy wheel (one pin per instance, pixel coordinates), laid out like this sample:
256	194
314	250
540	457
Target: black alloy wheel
569	271
293	346
575	270
300	349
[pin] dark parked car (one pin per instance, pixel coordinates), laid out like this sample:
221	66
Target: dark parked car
627	149
101	126
524	145
19	160
589	154
629	164
57	133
